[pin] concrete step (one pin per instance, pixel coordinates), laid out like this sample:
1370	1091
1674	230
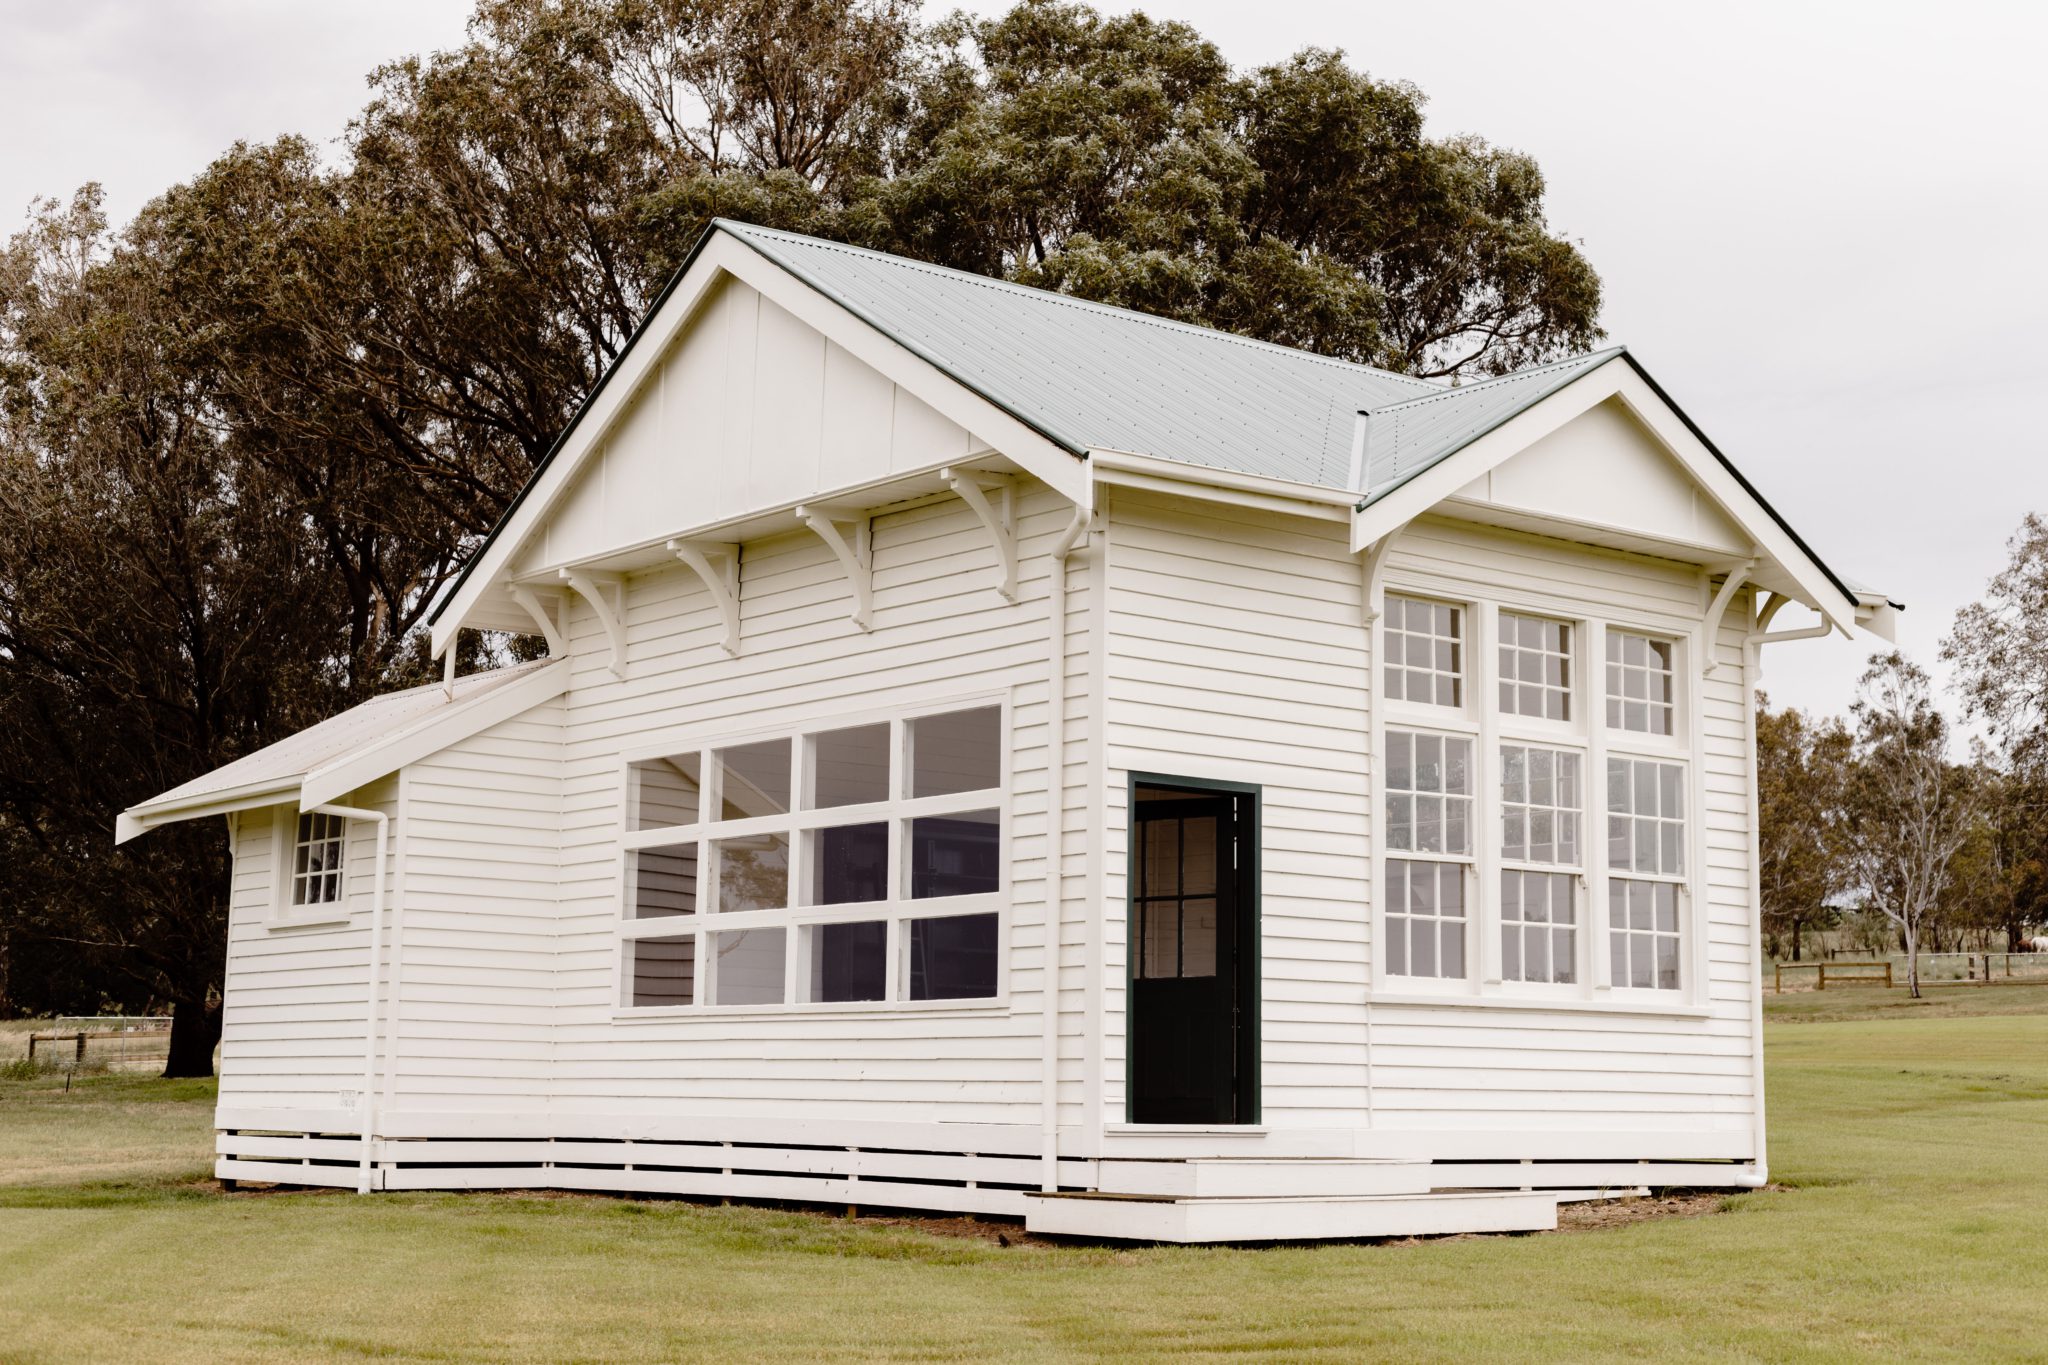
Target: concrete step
1287	1219
1256	1177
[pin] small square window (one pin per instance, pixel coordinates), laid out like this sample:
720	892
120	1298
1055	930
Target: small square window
1535	667
1641	681
1425	648
317	856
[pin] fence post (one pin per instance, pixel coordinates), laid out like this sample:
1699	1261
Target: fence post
81	1051
1823	983
1887	973
1776	989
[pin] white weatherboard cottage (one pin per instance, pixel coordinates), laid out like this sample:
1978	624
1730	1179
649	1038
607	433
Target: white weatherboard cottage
996	748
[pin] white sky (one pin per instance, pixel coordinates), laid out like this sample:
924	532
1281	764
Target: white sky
1820	225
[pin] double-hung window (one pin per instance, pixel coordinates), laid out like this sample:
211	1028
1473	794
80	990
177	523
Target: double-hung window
841	865
317	848
1540	800
1646	867
1499	761
1429	841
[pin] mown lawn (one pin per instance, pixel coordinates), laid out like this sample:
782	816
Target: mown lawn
1916	1227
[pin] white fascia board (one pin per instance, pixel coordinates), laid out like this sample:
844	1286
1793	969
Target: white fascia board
143	818
1220	485
338	777
1617	378
724	254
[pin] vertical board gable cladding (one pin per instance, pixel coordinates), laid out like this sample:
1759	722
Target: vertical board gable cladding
750	410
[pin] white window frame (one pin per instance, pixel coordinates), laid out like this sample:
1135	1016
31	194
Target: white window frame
1574	871
1431	712
284	841
1585	732
899	910
1681	881
1467	862
1681	727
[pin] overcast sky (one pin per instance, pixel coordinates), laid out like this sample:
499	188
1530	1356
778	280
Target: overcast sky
1821	226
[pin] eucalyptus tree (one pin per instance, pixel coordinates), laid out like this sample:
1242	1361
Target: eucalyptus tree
1802	781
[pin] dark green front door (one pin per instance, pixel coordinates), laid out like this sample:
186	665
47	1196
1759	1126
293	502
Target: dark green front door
1193	959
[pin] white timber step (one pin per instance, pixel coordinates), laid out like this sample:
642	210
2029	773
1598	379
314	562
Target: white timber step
1156	1219
1254	1177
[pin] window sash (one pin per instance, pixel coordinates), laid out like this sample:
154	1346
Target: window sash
1425	644
319	857
799	832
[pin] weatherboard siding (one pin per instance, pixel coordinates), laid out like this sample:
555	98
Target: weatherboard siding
1237	650
940	631
293	1010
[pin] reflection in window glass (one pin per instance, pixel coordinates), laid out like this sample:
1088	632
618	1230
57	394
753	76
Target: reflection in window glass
755	779
1429	793
660	971
664	881
850	863
1425	651
848	961
960	751
1539	804
954	855
1538	919
952	958
316	861
1535	667
747	966
850	767
1640	681
1425	918
666	791
753	873
1642	933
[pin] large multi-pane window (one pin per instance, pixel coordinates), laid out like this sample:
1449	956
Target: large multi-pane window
1425	649
1505	787
1641	677
1645	860
1540	801
1429	823
833	866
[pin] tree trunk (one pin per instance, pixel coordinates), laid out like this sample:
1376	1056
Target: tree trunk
195	1032
1912	963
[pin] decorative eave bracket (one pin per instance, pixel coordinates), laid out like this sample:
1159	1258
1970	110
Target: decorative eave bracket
1370	565
717	564
1718	611
998	518
856	557
545	614
606	594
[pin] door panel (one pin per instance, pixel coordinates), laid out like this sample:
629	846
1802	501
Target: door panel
1191	917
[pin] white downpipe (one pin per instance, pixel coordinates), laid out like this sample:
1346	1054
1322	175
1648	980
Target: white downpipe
1056	820
370	1007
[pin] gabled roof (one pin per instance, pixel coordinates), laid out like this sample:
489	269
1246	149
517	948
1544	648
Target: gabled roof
1090	376
359	745
1087	377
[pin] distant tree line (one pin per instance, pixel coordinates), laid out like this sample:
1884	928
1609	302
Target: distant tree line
1876	826
246	437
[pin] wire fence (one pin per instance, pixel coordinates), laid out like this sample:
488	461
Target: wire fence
101	1042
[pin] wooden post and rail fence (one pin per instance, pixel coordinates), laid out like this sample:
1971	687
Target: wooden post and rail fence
1977	965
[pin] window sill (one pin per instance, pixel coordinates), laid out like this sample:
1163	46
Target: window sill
1675	1009
853	1009
338	918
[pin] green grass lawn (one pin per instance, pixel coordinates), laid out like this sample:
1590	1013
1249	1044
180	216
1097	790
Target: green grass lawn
1916	1227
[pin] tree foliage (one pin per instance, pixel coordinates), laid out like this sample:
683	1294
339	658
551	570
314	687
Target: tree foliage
1802	779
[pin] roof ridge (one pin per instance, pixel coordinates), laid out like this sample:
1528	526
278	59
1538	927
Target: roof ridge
1491	381
1053	296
